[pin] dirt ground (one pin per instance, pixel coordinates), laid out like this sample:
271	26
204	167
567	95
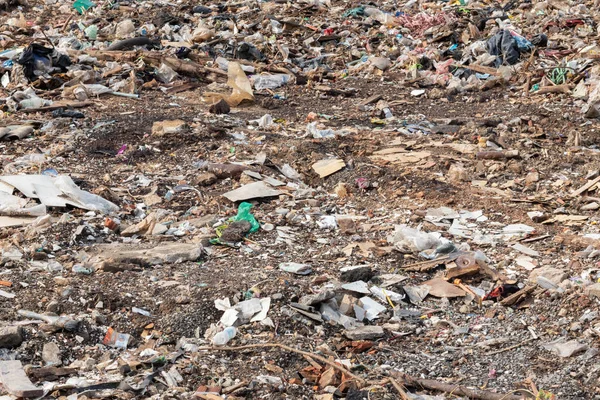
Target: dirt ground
488	346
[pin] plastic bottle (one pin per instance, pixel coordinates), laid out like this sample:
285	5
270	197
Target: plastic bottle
224	336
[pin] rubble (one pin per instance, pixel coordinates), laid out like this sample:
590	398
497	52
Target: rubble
314	199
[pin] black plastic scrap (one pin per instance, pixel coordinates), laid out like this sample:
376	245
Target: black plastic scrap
505	46
42	59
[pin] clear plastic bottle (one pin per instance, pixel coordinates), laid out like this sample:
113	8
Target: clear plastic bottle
224	336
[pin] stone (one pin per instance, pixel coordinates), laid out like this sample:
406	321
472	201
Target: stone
592	291
457	173
346	225
205	179
53	307
347	304
357	287
51	354
381	63
353	274
220	107
11	336
168	253
565	349
590	206
532	178
364	333
554	275
328	378
15	381
161	128
312	299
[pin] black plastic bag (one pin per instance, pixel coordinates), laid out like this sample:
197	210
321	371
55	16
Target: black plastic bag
42	59
503	45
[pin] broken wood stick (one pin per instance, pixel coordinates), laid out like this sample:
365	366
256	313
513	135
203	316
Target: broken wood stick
586	187
554	89
497	155
478	68
339	367
511	347
58	104
455	390
400	389
516	297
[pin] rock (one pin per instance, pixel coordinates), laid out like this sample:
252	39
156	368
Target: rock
591	111
347	304
565	349
357	287
11	336
328	378
170	253
457	173
532	178
341	190
592	291
51	354
15	381
354	274
205	179
221	107
235	232
346	225
364	333
552	274
381	63
53	307
590	206
99	318
312	299
161	128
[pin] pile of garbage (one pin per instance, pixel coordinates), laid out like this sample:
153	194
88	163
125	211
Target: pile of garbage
314	199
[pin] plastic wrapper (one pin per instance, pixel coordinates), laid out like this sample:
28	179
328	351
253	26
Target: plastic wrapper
411	240
239	82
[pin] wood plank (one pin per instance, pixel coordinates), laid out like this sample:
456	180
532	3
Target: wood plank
586	186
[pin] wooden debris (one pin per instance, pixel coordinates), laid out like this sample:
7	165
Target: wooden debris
59	104
586	187
328	167
566	89
516	297
479	68
455	390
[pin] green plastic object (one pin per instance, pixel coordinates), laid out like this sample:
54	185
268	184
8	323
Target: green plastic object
83	5
244	214
355	12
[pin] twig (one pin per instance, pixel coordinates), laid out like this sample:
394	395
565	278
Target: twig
62	29
400	389
293	350
511	347
458	390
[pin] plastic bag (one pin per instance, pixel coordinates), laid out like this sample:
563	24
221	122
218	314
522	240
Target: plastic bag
244	214
505	46
409	240
202	34
239	82
262	82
